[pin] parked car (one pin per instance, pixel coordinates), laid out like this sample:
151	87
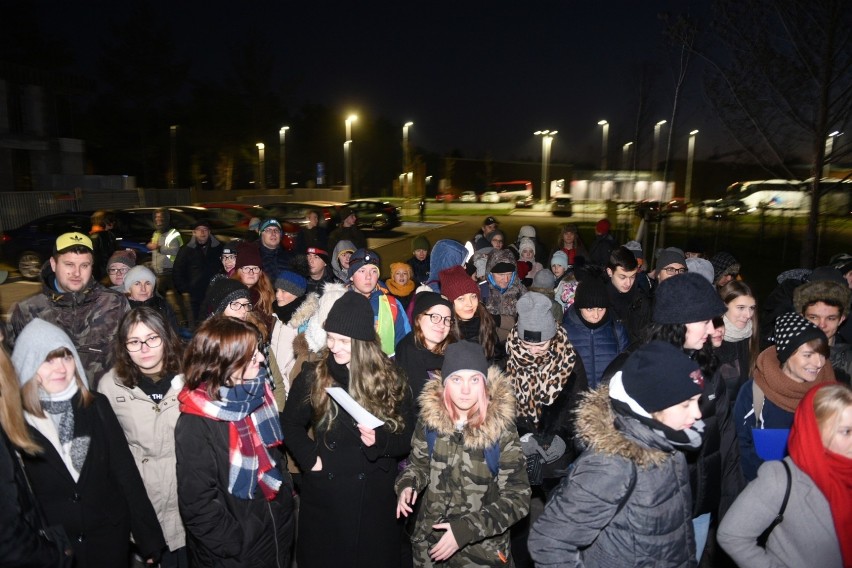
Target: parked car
468	197
296	211
490	197
236	214
376	214
720	209
524	202
445	196
562	205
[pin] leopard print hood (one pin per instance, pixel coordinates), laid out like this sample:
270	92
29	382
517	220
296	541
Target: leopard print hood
499	417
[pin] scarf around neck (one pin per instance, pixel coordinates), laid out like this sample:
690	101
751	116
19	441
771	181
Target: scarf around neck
832	473
783	391
254	426
59	408
733	333
539	380
400	291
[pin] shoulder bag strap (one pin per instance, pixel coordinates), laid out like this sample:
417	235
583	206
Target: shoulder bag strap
764	536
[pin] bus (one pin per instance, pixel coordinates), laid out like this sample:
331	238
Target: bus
510	191
792	195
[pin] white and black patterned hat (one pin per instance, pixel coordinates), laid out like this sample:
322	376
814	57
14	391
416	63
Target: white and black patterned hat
792	331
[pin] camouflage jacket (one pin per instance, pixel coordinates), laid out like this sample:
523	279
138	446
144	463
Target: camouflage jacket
456	483
89	317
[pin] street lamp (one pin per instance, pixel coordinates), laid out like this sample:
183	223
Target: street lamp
690	158
829	148
625	152
605	132
546	142
405	157
173	169
656	150
260	148
282	170
347	149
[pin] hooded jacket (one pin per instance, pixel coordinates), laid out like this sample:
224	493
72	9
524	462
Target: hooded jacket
340	273
499	301
150	431
445	254
194	266
479	507
627	501
89	317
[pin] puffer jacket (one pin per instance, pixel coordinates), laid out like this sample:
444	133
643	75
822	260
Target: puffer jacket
479	506
150	431
223	530
89	317
445	254
596	347
501	302
626	502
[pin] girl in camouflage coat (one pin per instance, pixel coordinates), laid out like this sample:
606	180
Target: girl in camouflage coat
466	461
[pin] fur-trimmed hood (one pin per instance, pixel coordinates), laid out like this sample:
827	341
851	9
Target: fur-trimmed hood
315	334
822	291
500	415
305	311
602	430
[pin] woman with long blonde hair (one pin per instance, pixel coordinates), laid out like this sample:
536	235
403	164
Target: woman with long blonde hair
348	468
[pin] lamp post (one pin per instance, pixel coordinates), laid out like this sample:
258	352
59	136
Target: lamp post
829	148
260	164
405	158
173	157
347	150
605	135
656	149
689	161
546	142
282	169
625	153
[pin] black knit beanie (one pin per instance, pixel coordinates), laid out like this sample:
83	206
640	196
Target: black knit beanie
591	293
222	292
426	300
352	316
685	299
792	331
464	355
659	375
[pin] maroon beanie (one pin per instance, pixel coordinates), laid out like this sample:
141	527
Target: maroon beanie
248	254
455	282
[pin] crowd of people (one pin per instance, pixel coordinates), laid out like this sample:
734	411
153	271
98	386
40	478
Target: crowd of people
489	403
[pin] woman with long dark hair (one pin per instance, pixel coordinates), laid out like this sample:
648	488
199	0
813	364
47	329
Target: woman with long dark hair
85	477
346	499
472	320
234	492
142	389
741	346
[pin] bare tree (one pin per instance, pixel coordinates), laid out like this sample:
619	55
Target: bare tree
779	76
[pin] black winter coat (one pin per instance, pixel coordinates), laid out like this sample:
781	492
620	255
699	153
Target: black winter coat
347	511
194	267
21	543
107	502
416	361
223	530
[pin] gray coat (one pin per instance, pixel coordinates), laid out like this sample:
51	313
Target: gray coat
626	502
806	536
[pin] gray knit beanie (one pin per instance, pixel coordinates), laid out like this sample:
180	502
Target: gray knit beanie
535	318
464	355
36	340
139	273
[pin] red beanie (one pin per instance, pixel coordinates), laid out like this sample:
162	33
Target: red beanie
602	227
248	254
455	282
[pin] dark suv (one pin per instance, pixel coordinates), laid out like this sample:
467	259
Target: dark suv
375	214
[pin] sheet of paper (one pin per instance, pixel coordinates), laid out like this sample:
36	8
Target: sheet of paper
361	415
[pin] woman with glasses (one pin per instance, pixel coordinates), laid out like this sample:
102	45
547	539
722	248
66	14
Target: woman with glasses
421	352
118	265
249	271
234	492
142	389
229	260
347	503
140	287
85	478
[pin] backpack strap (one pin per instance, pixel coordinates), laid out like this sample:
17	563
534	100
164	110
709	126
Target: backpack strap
758	398
764	536
492	452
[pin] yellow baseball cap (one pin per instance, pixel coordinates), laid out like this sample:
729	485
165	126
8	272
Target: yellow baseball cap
67	240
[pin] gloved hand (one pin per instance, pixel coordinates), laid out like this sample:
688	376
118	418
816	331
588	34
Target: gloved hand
555	450
530	446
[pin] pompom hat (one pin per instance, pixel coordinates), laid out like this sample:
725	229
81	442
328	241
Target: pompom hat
792	331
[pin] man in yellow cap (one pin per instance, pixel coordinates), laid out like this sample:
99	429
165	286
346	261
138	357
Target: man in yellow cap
71	299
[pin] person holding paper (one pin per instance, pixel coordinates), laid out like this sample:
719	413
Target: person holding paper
347	501
466	467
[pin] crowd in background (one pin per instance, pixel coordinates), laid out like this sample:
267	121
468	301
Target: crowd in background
493	402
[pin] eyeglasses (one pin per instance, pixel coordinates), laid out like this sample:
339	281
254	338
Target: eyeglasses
438	318
237	306
118	270
251	269
271	230
671	270
152	342
229	257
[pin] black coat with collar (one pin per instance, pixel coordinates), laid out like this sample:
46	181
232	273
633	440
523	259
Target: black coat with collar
107	502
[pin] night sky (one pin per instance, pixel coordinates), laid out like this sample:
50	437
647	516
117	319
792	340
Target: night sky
474	76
